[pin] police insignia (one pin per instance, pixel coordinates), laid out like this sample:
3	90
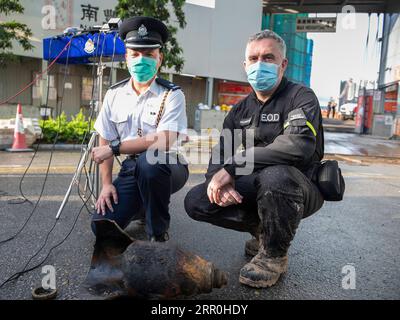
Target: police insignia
297	117
89	46
142	31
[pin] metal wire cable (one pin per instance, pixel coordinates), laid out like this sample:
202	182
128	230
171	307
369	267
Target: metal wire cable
58	112
16	275
24	198
48	165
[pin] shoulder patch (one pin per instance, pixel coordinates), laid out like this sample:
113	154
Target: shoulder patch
297	117
246	121
120	83
167	84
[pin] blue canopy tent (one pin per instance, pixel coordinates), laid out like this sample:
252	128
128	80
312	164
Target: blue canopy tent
85	48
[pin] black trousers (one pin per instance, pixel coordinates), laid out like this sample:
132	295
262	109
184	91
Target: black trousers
144	190
275	199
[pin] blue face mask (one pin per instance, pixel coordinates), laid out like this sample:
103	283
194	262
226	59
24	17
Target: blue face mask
141	68
262	76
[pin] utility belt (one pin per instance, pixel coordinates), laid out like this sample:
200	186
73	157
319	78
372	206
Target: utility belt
328	177
132	156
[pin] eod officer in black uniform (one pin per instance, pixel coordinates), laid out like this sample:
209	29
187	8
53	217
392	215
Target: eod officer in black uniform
283	121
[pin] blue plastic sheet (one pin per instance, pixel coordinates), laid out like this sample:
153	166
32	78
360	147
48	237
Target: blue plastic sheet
85	48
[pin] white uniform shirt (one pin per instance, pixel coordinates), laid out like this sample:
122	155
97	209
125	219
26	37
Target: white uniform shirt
123	112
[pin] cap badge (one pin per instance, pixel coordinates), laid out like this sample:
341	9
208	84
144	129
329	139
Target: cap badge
142	31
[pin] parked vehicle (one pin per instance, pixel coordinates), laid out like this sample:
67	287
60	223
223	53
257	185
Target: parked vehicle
347	111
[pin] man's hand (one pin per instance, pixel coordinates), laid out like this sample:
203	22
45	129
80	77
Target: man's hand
99	154
229	196
219	180
107	193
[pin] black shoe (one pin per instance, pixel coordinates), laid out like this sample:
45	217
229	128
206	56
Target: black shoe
161	238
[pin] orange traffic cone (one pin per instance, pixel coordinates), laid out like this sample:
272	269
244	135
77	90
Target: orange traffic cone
19	144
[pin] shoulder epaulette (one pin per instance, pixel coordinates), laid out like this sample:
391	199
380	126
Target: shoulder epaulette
120	83
167	84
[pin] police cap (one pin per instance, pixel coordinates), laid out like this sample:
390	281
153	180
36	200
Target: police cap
143	32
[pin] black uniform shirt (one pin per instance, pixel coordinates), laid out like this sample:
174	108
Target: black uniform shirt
287	130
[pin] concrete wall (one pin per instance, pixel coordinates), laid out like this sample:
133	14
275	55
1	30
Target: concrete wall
17	74
12	77
195	92
389	71
214	40
390	59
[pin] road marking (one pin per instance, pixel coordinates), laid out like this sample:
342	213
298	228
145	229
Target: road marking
16	171
367	175
62	170
348	159
42	170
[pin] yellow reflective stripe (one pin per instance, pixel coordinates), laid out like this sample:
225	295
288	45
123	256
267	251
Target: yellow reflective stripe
311	128
308	125
286	125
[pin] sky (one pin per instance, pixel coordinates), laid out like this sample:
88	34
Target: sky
341	55
205	3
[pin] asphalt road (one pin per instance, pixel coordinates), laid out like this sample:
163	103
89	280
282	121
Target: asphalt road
362	230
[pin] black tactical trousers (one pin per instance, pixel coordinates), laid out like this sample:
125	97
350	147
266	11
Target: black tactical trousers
275	199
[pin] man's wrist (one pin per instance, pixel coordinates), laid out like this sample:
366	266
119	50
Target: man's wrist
115	147
111	149
230	168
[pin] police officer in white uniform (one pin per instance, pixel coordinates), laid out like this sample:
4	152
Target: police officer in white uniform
141	114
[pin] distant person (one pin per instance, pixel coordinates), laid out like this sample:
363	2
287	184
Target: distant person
329	109
333	106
